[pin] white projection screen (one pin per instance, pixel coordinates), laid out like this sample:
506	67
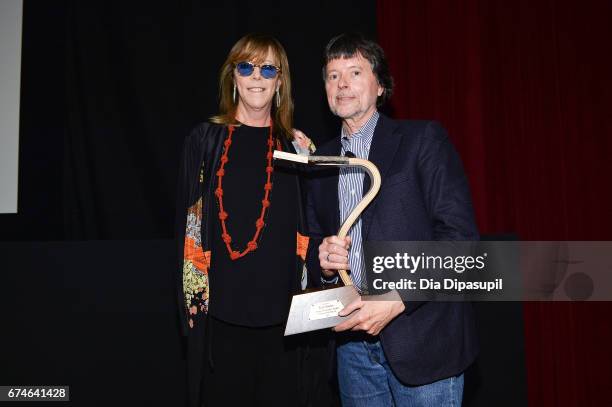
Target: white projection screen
10	73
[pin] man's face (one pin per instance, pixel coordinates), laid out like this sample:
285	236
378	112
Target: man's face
352	88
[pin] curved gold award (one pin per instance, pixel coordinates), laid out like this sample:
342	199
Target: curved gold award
366	165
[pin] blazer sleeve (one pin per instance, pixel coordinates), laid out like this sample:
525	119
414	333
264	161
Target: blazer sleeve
445	190
445	187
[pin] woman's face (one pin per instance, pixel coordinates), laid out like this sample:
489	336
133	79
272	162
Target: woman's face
255	92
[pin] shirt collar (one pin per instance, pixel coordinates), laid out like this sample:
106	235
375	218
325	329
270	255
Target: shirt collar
366	132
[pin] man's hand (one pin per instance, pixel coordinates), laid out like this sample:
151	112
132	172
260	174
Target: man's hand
333	255
373	314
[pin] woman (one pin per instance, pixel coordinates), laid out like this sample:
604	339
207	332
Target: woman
239	214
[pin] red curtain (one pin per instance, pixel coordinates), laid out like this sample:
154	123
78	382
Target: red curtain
524	89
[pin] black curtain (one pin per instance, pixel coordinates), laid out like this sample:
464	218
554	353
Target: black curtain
110	89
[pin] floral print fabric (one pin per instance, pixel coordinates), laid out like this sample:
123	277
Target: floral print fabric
195	265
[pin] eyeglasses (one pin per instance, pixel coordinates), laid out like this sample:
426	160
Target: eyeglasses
268	71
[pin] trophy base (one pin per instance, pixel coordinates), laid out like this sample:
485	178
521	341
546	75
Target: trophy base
318	309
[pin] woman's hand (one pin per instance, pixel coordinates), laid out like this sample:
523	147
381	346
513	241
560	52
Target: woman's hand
303	141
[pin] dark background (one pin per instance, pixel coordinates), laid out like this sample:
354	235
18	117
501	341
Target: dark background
110	89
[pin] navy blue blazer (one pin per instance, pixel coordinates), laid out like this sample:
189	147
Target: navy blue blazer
424	196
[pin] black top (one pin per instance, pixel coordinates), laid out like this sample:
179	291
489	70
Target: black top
256	289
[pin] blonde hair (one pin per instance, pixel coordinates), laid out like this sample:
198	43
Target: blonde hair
255	47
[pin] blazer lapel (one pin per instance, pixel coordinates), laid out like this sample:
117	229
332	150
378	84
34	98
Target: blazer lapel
382	151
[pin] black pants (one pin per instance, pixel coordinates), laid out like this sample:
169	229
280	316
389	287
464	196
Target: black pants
249	366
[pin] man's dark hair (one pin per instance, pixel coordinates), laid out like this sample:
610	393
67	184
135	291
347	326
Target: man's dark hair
348	46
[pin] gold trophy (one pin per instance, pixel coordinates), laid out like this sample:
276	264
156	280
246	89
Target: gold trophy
319	309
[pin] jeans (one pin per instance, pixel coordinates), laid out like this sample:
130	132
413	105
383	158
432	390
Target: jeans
366	379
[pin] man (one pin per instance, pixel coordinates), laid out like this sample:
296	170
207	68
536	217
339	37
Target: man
389	352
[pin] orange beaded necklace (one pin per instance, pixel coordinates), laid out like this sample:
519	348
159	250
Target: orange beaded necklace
265	203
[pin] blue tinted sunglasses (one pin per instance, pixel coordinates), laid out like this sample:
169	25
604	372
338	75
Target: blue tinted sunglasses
268	71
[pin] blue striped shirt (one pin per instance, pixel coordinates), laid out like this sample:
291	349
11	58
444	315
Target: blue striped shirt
350	192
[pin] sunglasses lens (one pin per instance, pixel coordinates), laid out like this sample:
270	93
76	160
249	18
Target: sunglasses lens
244	68
268	71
